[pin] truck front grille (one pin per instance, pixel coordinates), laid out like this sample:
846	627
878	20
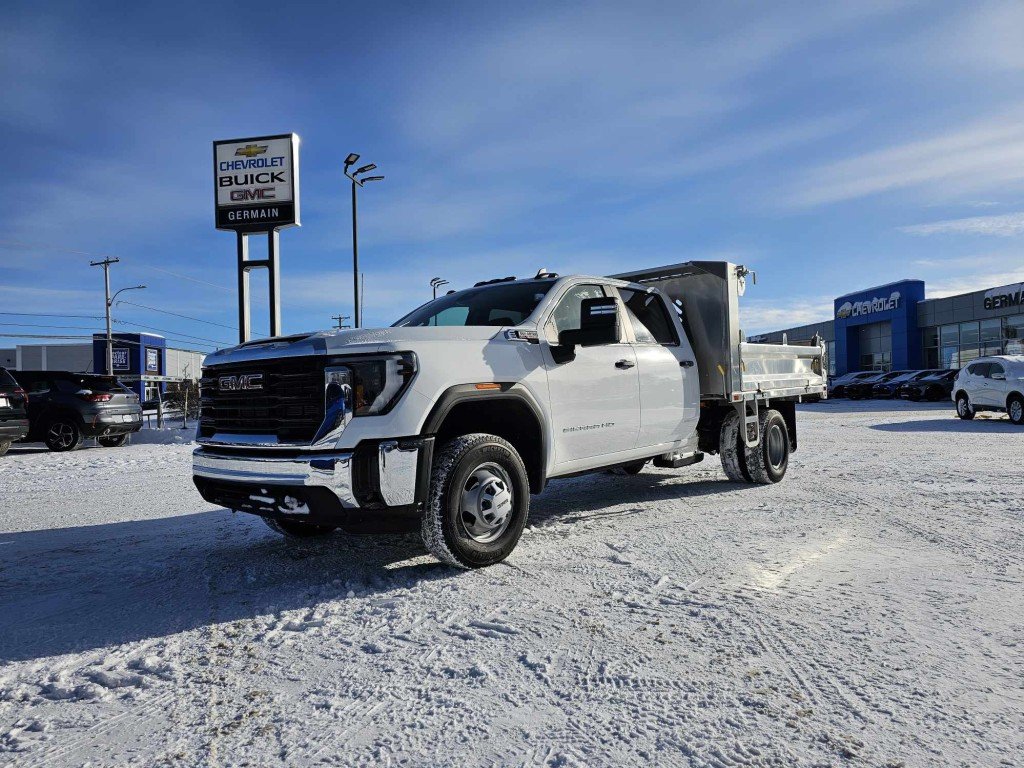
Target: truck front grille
288	404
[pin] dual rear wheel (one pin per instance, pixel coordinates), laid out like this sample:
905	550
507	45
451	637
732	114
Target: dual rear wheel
764	463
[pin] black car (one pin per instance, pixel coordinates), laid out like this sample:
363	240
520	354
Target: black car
937	385
887	389
839	385
13	419
64	408
863	388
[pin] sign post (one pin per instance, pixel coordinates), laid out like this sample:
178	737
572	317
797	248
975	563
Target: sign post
256	191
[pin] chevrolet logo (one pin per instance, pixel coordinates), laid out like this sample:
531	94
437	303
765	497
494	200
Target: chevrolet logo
240	382
251	150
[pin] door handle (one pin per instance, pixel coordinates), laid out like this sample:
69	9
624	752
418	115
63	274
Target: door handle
625	364
686	363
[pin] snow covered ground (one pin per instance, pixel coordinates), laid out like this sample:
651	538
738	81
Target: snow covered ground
867	611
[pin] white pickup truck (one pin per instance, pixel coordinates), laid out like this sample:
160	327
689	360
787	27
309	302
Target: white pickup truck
449	420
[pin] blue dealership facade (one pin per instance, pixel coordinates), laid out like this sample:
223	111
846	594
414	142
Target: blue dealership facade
894	327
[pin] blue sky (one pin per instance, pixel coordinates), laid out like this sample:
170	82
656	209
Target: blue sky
828	146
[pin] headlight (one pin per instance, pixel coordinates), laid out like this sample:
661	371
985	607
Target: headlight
377	383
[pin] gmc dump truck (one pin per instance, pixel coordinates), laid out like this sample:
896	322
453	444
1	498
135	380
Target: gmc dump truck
450	419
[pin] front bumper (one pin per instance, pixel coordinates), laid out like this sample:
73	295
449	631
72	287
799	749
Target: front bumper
379	486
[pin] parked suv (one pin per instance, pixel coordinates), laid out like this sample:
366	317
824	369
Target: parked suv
991	384
840	385
887	388
13	420
934	385
864	387
64	408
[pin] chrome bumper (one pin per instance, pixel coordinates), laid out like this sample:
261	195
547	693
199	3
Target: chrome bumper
397	469
331	471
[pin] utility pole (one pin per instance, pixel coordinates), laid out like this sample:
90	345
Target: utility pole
108	302
357	182
341	319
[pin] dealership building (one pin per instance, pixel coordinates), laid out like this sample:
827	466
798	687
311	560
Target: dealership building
142	361
894	327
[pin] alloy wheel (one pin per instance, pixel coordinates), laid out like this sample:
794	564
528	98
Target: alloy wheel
61	434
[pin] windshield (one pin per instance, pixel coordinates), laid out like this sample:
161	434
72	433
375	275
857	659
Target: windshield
490	305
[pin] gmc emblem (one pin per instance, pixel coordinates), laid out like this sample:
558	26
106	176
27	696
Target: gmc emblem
242	381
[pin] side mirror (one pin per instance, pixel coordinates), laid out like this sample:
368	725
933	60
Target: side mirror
599	324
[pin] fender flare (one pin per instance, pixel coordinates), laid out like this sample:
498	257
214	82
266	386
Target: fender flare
507	391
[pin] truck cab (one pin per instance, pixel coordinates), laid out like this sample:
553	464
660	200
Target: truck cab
450	419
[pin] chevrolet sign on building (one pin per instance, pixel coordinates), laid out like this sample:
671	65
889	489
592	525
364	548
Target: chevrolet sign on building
256	183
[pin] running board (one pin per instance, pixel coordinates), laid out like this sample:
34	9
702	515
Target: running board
677	460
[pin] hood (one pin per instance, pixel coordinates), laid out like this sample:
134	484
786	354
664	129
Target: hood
349	341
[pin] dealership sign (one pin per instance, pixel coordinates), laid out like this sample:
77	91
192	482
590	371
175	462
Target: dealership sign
1007	296
121	359
858	308
256	183
152	360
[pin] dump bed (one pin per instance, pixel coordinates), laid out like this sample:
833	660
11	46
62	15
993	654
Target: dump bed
706	294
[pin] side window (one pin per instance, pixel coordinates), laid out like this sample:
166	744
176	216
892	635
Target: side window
566	316
994	368
977	369
651	323
37	386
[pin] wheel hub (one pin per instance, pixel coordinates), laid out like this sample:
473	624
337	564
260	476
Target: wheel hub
61	434
486	503
1016	410
776	446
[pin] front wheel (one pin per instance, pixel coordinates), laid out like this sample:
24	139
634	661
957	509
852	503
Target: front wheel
4	446
63	436
1015	408
478	503
113	441
964	409
768	461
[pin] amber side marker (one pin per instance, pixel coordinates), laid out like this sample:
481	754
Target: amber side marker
488	385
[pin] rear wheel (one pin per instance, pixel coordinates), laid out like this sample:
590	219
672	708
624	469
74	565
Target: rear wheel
113	441
478	503
296	529
730	449
4	445
768	460
964	409
63	435
1014	407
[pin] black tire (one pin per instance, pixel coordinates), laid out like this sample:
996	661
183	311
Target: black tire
964	409
730	449
113	441
634	468
4	446
1014	407
768	461
296	529
63	435
485	472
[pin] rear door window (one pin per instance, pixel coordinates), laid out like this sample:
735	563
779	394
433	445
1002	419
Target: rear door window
651	322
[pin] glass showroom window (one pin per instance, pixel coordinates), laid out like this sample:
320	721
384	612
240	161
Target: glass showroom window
991	337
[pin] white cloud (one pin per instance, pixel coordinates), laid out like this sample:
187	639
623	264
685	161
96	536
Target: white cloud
762	315
1005	225
982	156
951	286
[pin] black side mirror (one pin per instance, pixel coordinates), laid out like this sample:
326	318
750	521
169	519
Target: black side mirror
599	324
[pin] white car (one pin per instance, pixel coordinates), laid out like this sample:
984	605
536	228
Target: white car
991	384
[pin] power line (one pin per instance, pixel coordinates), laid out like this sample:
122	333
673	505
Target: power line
49	314
93	336
36	325
176	333
185	277
175	314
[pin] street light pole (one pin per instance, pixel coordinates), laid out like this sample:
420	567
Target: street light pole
437	282
106	303
357	182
